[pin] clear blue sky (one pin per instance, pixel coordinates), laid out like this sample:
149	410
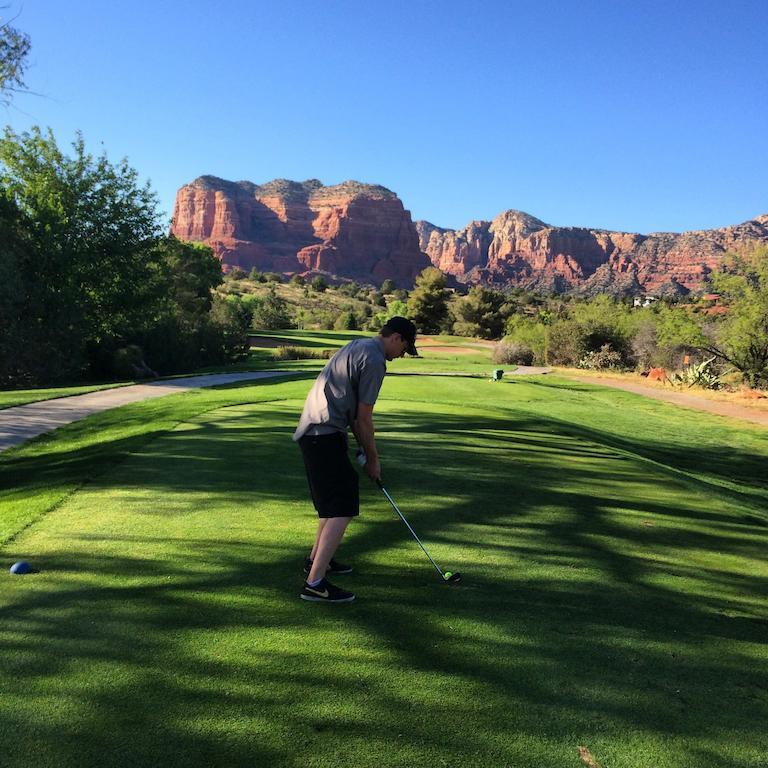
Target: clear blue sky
636	116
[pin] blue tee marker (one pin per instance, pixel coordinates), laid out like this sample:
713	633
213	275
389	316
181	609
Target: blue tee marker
21	568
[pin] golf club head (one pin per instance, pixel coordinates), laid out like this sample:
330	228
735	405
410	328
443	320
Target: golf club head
452	578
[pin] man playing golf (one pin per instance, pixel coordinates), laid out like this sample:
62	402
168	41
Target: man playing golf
343	397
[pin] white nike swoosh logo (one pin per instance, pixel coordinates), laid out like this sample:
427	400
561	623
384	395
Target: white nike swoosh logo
324	593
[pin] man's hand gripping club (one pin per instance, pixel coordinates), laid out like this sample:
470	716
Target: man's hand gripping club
364	433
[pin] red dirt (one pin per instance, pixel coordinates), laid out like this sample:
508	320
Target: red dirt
452	350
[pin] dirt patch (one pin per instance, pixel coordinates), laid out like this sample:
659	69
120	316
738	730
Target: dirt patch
587	759
428	341
448	349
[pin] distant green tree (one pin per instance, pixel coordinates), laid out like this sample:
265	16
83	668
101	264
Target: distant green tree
325	320
741	337
388	286
192	270
346	321
236	274
298	280
479	313
349	289
319	284
566	342
428	301
271	312
529	332
227	330
176	338
603	320
661	335
395	308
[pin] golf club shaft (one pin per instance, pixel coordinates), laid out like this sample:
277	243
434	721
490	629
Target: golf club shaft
413	533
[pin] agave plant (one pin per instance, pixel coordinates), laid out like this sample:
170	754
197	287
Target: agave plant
698	375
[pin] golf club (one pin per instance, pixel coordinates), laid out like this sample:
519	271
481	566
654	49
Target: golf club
452	578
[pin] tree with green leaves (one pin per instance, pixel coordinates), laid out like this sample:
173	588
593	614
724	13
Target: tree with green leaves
85	272
319	284
740	338
428	301
18	337
14	52
88	266
270	312
227	327
346	321
177	336
479	313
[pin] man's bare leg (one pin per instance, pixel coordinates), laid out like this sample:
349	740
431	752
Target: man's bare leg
321	525
329	537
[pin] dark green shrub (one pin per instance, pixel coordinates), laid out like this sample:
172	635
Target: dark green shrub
566	343
346	321
128	363
319	284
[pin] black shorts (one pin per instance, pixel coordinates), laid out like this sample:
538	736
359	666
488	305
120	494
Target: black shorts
333	481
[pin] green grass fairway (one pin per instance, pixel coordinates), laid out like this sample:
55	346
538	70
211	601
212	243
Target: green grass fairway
615	586
441	354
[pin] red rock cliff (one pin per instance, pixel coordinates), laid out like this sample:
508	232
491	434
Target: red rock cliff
518	249
351	229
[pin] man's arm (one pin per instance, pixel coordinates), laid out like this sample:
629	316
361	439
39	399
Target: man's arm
364	433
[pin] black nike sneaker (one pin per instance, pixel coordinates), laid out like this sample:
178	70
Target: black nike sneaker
325	592
333	567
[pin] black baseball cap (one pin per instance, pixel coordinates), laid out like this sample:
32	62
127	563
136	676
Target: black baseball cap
406	329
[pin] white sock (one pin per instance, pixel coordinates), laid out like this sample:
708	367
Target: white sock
315	582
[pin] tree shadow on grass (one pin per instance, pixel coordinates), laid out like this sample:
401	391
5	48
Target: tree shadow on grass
725	460
171	661
55	464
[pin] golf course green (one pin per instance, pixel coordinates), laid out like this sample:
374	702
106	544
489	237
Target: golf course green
612	609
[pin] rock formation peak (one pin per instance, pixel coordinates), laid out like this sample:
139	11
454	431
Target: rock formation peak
349	229
517	249
362	231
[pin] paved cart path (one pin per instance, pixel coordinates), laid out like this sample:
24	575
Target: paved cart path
23	422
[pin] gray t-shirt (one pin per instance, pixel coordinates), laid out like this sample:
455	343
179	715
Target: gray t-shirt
353	375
